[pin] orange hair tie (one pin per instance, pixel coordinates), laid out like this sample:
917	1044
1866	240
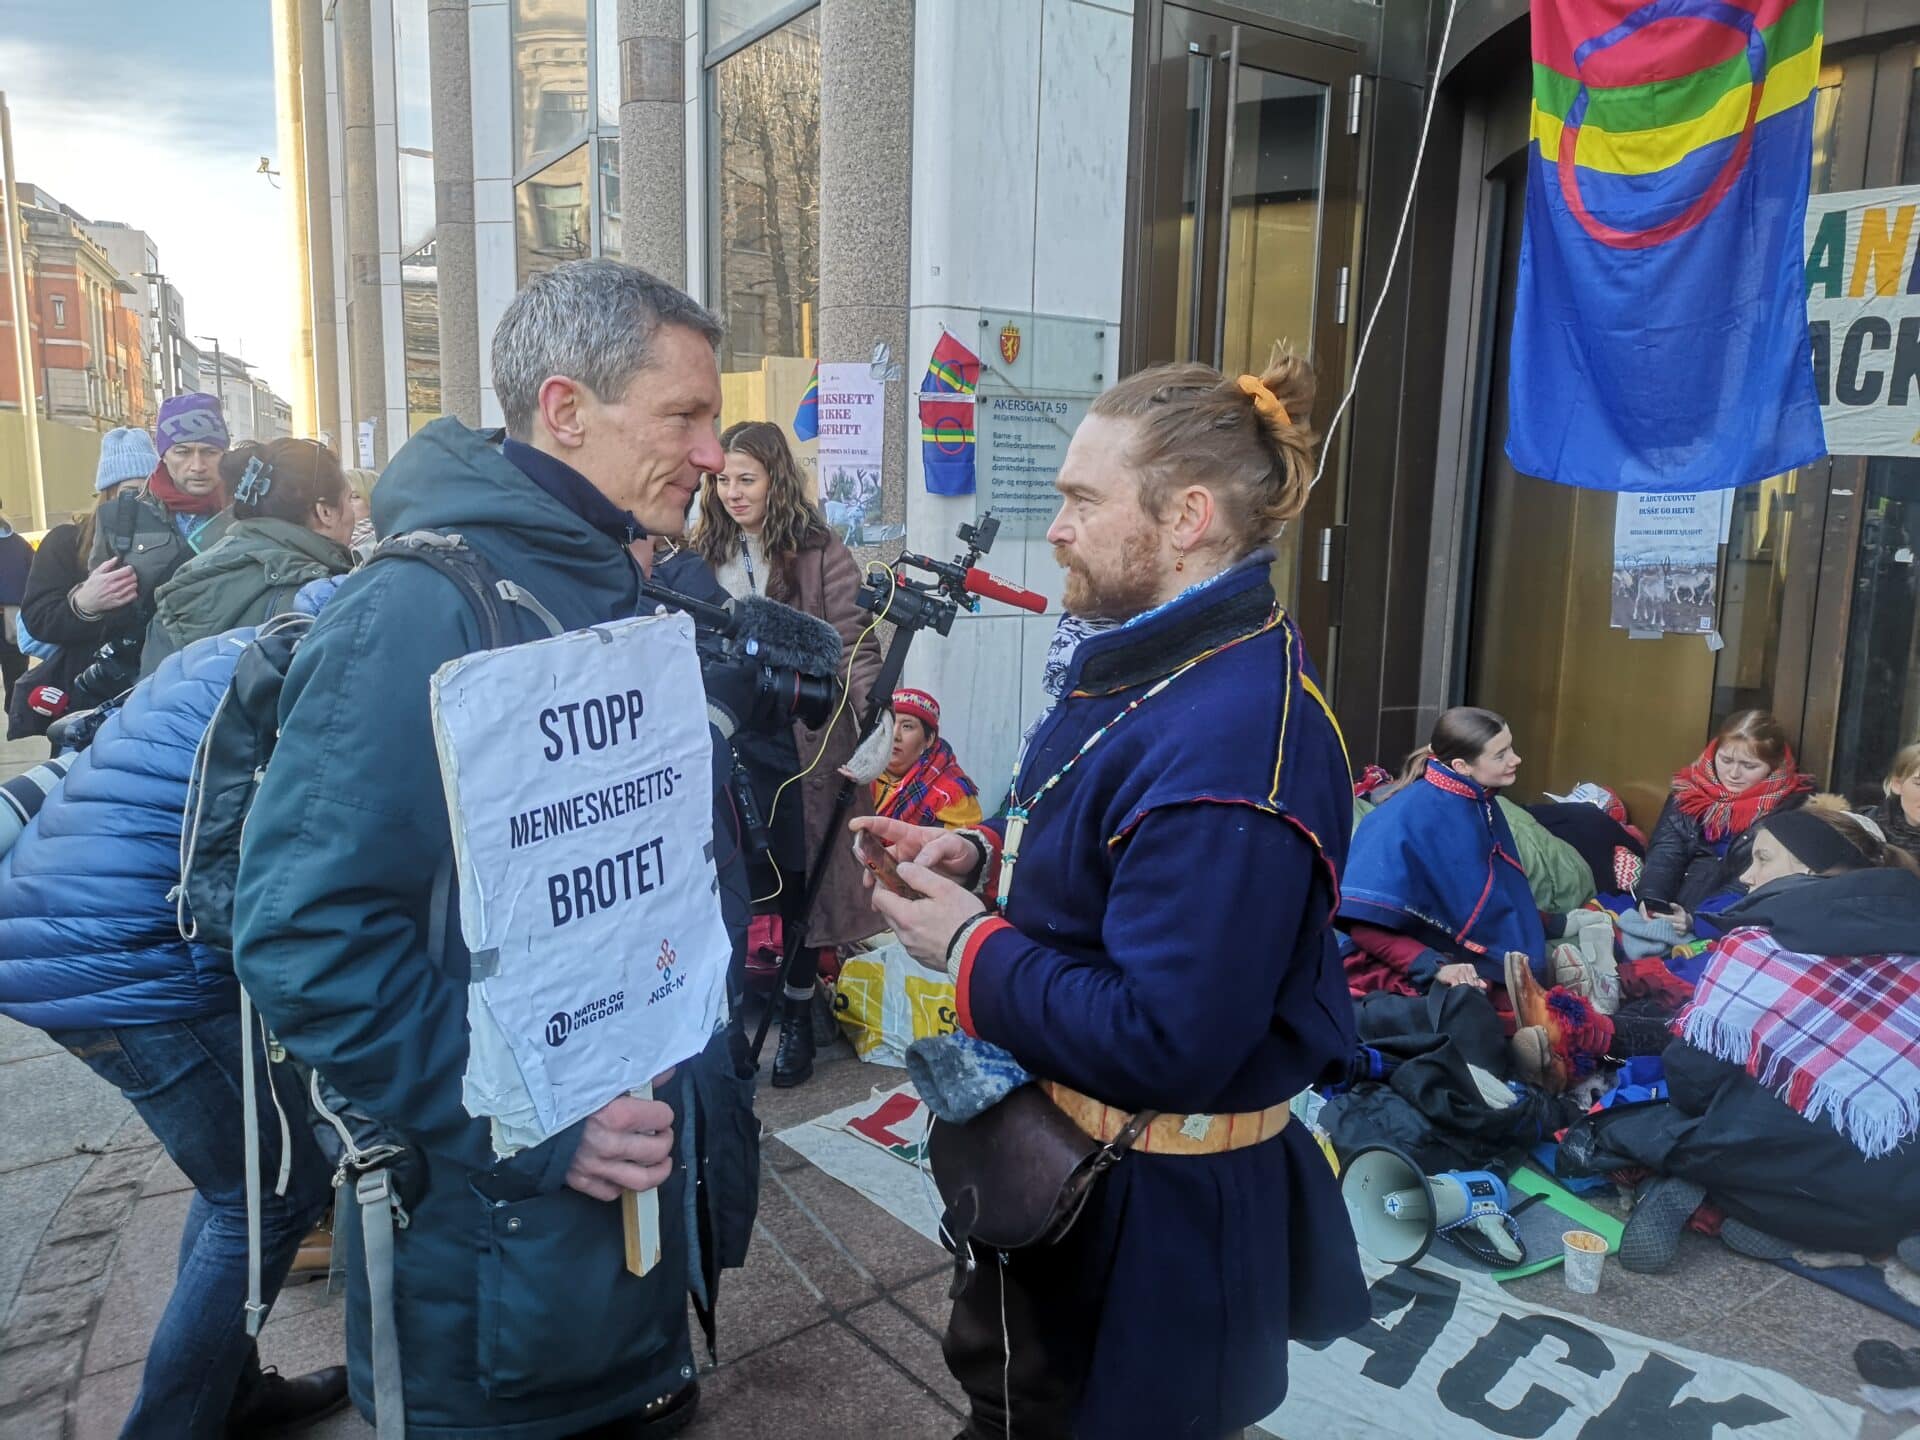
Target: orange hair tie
1265	402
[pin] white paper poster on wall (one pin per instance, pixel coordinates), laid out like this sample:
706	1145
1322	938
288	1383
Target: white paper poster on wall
853	435
579	782
1666	561
1863	316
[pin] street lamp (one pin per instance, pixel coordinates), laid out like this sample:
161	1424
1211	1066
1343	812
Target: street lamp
220	383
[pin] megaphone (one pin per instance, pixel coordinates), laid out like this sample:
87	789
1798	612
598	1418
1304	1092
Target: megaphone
1396	1210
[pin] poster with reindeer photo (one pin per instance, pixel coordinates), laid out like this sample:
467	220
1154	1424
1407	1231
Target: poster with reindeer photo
1666	562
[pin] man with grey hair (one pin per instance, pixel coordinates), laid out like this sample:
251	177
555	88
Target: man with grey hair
514	1312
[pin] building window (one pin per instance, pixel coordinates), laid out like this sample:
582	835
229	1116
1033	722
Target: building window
764	102
59	312
413	94
610	198
550	71
551	215
420	330
567	75
728	20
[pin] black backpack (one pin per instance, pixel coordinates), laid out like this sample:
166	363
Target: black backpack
239	740
376	1167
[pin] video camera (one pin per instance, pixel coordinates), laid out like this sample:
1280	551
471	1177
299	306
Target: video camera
956	585
783	663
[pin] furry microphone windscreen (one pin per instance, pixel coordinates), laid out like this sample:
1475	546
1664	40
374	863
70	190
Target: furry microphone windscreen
787	637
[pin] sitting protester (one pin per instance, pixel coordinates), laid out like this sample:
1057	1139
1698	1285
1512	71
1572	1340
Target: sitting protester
1794	1090
91	953
1435	894
1898	813
293	515
923	783
77	608
1703	839
1556	873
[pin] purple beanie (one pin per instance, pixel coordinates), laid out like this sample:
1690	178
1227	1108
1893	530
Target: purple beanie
193	419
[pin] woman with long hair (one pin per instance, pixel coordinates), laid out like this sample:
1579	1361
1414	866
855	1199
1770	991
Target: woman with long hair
1703	840
1435	893
762	535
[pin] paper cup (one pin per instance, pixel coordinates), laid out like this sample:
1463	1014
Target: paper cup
1585	1252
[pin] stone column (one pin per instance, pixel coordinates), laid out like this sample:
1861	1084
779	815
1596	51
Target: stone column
866	188
326	352
452	63
653	140
365	333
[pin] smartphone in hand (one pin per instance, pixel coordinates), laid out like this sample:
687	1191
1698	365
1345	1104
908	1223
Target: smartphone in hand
886	870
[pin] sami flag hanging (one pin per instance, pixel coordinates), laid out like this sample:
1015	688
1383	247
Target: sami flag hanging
953	370
1660	330
946	417
806	418
946	443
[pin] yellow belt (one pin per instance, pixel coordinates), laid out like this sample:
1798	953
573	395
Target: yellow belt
1171	1134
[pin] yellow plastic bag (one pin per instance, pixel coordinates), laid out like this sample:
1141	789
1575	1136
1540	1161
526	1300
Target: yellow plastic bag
885	1000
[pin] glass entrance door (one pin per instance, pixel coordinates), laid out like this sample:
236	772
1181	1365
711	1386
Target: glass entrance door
1245	235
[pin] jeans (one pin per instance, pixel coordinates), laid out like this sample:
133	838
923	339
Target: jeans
184	1078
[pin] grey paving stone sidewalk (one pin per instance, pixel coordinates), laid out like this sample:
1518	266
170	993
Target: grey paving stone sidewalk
832	1328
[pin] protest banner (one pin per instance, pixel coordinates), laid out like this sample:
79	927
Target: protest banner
1447	1354
1863	314
578	773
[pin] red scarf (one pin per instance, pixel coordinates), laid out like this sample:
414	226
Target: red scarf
178	502
1698	792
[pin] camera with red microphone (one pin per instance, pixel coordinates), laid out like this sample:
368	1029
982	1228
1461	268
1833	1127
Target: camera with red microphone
956	585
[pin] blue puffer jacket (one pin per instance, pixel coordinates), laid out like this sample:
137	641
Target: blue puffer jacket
87	934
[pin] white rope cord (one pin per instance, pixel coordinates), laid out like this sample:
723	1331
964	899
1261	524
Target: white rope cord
1393	256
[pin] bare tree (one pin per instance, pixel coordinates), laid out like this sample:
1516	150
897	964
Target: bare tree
769	104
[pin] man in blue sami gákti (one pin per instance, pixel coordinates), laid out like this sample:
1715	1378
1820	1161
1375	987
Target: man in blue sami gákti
1148	930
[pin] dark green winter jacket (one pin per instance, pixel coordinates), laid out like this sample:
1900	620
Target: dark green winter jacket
248	576
516	1314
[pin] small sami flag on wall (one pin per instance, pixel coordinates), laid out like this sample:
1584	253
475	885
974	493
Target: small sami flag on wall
806	418
946	418
1660	336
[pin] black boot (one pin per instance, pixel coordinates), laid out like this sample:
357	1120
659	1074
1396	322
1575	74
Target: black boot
793	1061
272	1404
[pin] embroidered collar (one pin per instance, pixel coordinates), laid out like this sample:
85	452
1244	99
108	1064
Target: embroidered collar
1223	608
1441	778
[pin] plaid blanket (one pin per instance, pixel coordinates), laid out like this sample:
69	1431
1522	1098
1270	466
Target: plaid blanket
1836	1038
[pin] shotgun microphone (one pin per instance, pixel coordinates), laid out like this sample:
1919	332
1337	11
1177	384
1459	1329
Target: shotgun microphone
979	582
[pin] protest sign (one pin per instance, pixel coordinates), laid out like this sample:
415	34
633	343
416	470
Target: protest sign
853	414
1666	561
578	773
1863	315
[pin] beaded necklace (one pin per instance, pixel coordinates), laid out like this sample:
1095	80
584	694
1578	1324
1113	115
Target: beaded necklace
1021	811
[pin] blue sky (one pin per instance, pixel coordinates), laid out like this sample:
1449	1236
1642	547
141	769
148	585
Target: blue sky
156	112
